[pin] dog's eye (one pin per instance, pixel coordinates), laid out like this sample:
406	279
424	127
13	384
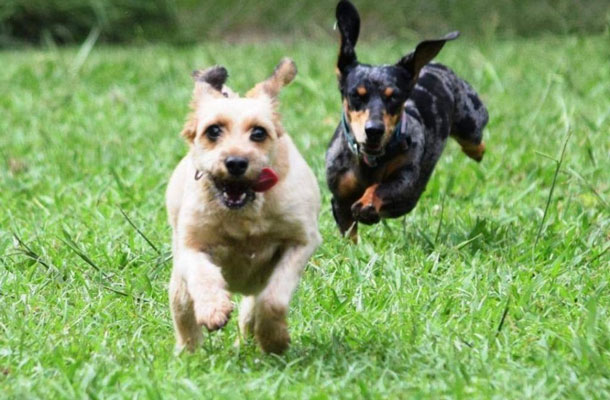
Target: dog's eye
258	134
213	132
391	98
360	96
356	99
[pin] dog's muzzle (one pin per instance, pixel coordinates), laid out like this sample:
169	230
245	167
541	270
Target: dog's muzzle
374	135
234	194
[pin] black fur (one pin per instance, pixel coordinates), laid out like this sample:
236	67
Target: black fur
215	76
436	104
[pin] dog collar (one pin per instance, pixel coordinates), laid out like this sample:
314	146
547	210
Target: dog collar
399	134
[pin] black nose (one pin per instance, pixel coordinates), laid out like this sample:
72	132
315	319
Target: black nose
374	130
236	165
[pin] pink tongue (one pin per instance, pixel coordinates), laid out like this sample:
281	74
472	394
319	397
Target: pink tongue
266	180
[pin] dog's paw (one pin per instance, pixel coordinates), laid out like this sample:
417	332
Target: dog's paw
270	327
365	213
474	151
273	336
214	310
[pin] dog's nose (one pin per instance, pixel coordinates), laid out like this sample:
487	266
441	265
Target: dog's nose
236	165
374	130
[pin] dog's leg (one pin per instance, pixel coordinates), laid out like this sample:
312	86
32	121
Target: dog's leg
246	316
472	150
246	320
366	209
390	199
271	305
188	332
344	219
469	120
206	286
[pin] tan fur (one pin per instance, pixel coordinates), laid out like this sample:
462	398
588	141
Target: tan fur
361	90
392	166
357	119
283	74
388	92
348	184
389	121
259	250
369	198
474	151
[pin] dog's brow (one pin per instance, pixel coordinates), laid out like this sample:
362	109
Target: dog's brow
250	122
221	120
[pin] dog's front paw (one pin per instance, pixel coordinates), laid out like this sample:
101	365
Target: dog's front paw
213	310
365	213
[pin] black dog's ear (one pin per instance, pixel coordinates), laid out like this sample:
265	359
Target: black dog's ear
423	54
348	22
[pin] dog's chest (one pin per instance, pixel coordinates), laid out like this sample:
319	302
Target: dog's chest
247	264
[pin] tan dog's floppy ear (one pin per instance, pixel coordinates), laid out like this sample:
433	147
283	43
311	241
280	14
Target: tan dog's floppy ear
283	74
208	82
215	76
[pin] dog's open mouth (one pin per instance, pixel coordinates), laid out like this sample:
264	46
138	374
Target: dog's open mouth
372	149
234	194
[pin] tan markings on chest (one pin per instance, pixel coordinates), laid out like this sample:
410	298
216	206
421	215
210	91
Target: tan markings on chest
391	167
348	184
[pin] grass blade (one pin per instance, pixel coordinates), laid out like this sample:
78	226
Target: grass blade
74	247
31	254
548	201
140	232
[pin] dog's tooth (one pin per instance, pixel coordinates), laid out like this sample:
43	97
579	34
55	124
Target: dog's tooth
242	197
225	195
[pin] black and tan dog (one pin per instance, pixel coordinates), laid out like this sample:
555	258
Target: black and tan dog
395	123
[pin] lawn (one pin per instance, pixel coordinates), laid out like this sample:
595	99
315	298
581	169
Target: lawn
495	286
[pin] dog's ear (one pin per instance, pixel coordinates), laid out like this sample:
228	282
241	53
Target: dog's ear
423	54
348	22
283	74
215	76
208	82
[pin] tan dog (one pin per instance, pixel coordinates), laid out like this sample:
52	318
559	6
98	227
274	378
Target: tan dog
243	205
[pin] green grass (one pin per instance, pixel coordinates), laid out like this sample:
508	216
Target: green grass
481	292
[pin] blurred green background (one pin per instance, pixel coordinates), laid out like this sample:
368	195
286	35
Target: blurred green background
186	21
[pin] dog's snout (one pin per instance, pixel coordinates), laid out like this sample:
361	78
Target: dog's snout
236	166
374	129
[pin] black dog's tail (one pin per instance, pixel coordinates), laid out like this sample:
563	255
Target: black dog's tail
469	118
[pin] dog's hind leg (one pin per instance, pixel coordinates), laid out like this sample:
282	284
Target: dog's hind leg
271	305
344	219
188	332
246	317
470	117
